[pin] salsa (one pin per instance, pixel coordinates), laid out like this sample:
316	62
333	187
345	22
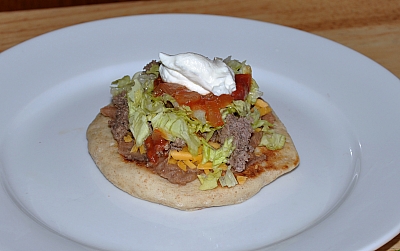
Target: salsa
155	145
210	103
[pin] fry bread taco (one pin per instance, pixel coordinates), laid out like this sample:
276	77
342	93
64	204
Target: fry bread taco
190	133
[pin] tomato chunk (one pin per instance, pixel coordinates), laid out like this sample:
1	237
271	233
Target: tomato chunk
198	106
213	114
187	97
222	100
168	88
243	83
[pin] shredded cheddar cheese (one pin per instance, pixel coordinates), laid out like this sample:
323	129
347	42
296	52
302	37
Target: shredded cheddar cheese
263	107
128	138
241	179
261	103
263	110
184	160
198	158
181	155
134	149
181	165
190	164
172	161
223	166
208	165
142	149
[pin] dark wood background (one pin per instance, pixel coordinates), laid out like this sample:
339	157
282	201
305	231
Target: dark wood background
12	5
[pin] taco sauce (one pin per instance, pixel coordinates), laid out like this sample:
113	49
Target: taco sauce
155	145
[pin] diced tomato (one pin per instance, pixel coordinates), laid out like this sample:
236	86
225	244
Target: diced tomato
181	94
213	114
198	106
187	97
168	88
220	101
243	82
155	143
157	89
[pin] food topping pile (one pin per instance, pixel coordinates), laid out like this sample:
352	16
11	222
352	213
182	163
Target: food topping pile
187	117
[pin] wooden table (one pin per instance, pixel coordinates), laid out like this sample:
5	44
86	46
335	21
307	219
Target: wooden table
370	27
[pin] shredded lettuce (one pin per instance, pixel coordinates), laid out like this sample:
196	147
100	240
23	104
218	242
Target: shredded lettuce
228	179
154	69
120	85
139	99
200	115
237	66
125	83
260	123
240	107
141	103
270	139
198	126
168	98
145	80
210	180
137	116
139	127
175	126
217	156
273	141
254	93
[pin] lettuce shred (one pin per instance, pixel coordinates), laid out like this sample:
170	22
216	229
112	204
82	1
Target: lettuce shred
273	141
176	126
220	155
228	180
210	181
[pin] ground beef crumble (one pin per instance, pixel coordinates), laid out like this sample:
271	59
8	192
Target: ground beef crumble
120	125
240	129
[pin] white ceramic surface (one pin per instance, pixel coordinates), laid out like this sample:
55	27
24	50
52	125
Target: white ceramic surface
340	108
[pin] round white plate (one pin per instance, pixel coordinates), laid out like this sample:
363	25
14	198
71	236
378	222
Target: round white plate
340	107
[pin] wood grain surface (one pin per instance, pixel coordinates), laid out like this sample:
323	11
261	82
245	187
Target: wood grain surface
370	27
12	5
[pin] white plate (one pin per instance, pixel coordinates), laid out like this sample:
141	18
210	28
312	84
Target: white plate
340	107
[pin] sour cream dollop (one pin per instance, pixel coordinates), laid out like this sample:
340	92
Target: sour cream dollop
198	73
